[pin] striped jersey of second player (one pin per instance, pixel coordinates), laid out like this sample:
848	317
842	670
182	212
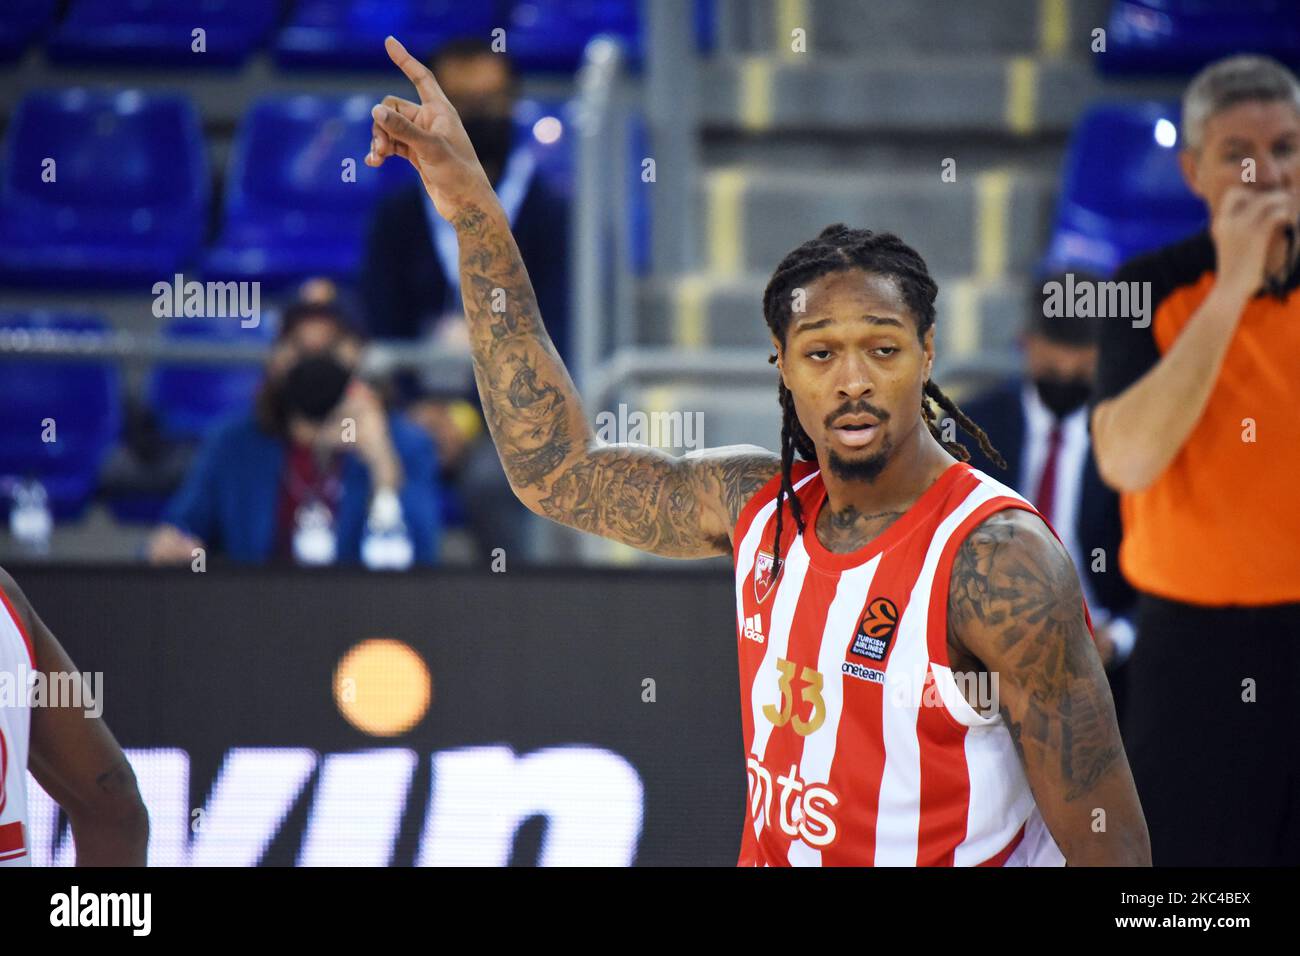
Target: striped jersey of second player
861	748
17	660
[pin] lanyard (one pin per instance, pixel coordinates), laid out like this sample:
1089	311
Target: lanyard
327	489
510	190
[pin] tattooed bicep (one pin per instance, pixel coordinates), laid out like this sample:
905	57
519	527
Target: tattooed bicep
731	476
1014	595
654	502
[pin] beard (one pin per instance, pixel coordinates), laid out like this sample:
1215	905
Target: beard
866	469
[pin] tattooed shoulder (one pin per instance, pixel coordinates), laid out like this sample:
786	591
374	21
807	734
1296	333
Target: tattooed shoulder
734	474
1011	576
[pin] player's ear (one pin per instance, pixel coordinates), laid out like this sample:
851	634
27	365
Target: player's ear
778	356
927	346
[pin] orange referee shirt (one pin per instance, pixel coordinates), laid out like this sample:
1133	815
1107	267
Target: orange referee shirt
1221	525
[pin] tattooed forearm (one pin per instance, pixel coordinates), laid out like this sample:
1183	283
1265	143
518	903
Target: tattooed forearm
681	507
1016	603
529	401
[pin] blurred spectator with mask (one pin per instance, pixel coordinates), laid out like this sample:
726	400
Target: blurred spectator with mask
1039	422
317	473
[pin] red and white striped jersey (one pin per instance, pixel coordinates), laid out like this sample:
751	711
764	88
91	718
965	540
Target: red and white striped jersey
861	748
17	661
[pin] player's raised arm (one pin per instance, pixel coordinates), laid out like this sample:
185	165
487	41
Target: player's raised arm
1015	603
679	507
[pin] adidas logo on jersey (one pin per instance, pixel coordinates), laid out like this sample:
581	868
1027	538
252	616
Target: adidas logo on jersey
754	629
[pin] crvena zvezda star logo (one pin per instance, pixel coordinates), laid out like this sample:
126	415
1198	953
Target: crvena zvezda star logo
765	575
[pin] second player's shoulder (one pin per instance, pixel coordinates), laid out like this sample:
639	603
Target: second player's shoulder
13	594
16	603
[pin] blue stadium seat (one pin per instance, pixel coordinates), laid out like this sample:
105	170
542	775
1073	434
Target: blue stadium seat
186	399
289	210
1121	189
101	189
1181	36
550	35
82	397
159	33
21	23
349	34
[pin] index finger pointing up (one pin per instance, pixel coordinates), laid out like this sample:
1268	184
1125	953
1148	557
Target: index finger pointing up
415	71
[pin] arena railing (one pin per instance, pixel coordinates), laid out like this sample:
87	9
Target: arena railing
133	349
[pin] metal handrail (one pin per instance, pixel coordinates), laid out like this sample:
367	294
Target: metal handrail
598	206
134	349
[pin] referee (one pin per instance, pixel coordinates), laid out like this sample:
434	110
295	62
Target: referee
1196	422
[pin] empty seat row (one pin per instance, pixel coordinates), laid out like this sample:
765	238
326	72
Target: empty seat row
1179	37
541	35
61	418
112	189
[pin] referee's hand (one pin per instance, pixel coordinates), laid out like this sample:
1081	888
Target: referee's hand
1242	229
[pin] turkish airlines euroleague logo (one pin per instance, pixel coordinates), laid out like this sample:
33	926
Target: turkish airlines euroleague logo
876	629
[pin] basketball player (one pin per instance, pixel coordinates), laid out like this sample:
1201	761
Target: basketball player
881	582
73	757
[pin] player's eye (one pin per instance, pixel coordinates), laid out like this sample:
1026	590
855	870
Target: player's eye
819	355
888	350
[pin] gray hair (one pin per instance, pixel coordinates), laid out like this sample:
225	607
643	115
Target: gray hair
1226	83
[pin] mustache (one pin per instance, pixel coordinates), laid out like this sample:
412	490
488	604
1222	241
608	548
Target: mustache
865	408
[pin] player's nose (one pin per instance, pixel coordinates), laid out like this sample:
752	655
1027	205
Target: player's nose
854	379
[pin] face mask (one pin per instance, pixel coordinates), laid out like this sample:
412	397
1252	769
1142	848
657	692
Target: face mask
314	386
491	137
1063	395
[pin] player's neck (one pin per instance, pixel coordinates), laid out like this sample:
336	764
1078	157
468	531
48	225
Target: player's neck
915	465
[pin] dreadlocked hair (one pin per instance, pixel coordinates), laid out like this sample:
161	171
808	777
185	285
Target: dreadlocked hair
838	248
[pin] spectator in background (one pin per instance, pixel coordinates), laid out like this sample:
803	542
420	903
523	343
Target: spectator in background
1197	423
410	280
317	473
1039	422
